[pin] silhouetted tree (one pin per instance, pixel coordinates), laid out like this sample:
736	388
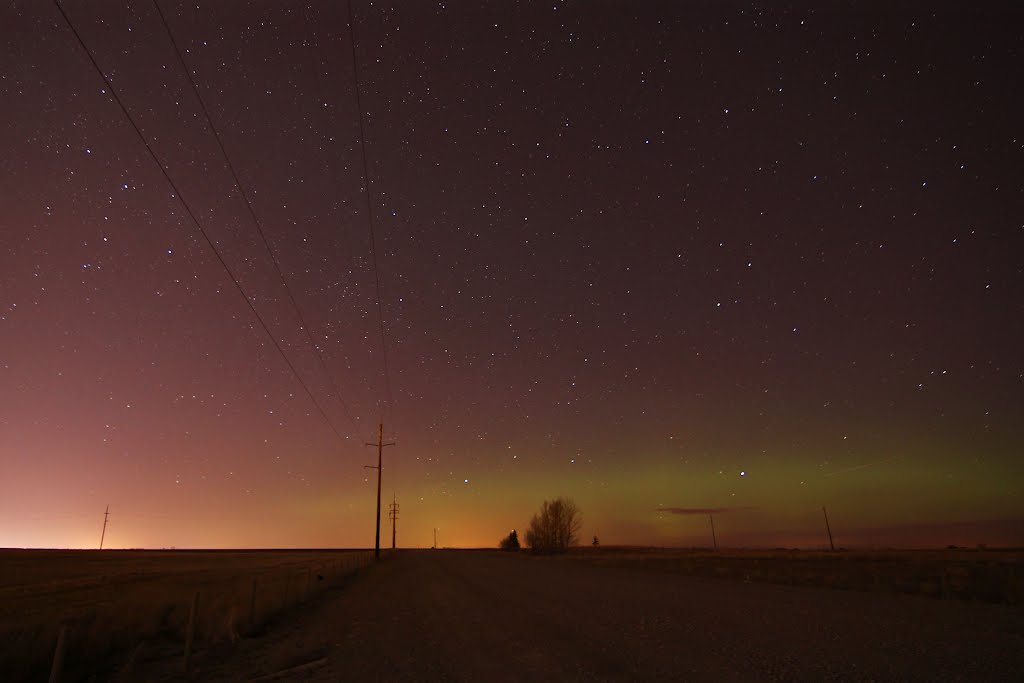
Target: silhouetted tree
510	542
555	527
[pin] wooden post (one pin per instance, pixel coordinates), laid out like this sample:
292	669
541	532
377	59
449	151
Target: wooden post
828	529
103	535
714	540
393	514
190	632
380	449
252	605
58	653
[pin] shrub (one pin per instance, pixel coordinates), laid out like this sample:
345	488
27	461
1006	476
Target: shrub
510	542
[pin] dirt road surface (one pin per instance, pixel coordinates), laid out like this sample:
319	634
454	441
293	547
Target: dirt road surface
486	616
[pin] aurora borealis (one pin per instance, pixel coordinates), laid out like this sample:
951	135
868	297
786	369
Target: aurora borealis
647	255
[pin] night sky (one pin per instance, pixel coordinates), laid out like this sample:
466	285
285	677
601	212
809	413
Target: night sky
663	258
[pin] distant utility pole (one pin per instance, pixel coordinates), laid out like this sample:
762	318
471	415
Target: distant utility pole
435	538
380	449
713	539
106	514
393	514
828	528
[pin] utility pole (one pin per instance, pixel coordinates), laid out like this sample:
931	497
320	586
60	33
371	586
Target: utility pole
713	539
828	528
393	514
106	514
435	538
380	449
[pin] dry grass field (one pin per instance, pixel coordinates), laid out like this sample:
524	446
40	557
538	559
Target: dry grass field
995	576
121	608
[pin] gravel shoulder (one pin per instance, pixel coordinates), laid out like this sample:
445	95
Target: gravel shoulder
487	616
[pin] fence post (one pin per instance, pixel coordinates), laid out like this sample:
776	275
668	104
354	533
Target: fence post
252	605
190	632
58	653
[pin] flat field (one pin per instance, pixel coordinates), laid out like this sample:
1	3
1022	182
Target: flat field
954	574
119	608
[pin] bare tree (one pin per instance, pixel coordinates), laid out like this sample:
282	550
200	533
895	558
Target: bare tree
555	527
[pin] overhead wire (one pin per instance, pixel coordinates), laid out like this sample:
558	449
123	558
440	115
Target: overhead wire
369	209
252	213
192	216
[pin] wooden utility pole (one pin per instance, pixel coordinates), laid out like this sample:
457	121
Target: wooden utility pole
393	514
380	450
435	538
714	540
106	514
828	528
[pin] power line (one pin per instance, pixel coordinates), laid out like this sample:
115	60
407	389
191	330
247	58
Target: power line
195	220
256	221
369	205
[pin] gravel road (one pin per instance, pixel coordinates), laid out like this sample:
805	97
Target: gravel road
486	616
